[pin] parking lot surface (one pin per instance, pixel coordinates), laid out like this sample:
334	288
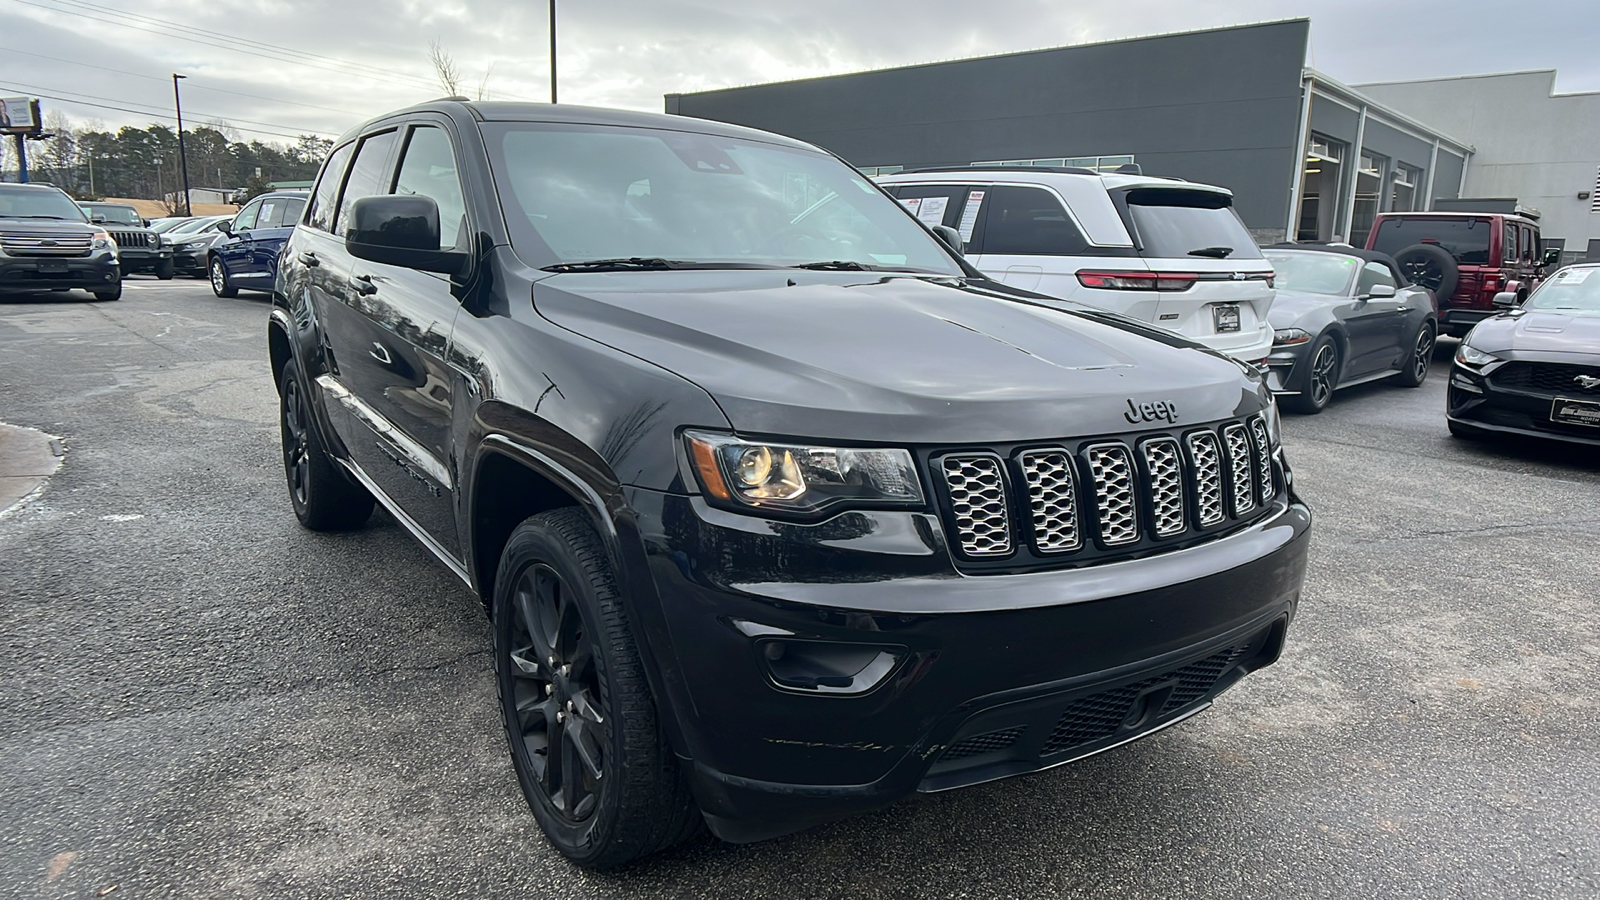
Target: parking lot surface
199	698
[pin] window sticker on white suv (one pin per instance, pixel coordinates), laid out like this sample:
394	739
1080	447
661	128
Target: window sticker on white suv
932	210
969	216
912	203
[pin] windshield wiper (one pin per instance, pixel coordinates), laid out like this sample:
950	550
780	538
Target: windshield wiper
1213	252
613	265
58	218
846	264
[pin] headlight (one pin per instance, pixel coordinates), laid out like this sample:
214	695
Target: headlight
101	240
1469	355
1288	337
802	479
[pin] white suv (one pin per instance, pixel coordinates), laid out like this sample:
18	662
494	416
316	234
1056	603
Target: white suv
1168	252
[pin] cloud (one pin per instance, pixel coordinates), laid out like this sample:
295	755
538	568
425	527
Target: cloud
358	58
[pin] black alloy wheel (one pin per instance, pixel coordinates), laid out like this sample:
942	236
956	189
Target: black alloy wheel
1322	377
556	691
220	283
1420	358
586	745
324	498
1430	266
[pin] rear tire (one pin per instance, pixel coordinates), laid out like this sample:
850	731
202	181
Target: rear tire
324	498
221	285
585	741
1321	379
1421	357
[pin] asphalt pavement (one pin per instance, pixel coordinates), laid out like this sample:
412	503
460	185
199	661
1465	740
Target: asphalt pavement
200	699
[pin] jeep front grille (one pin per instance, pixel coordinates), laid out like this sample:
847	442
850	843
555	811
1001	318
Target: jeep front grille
1043	505
1206	459
1166	486
133	238
1244	487
978	498
1112	476
1053	494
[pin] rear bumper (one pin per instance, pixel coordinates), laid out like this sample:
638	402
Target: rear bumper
1249	347
1051	667
23	273
1458	322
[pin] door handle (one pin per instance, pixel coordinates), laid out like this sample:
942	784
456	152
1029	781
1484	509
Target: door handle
364	285
310	259
380	353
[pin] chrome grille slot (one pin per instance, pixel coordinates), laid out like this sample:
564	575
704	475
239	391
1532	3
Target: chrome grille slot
978	499
43	243
1052	493
1111	467
1206	460
1244	491
1165	468
1258	434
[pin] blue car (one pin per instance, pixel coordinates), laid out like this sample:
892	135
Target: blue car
246	258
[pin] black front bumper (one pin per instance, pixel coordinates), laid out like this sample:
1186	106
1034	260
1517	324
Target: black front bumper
192	262
1286	368
992	675
30	274
1476	402
143	259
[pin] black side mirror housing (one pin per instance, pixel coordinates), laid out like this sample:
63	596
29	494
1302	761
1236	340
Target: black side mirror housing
1504	300
951	238
1552	255
226	227
400	230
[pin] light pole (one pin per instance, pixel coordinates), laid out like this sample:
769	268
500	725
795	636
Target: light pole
552	51
183	157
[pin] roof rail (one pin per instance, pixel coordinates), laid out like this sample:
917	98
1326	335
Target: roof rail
1064	170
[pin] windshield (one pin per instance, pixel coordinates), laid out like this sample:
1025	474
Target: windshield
33	203
1465	239
189	226
1313	272
577	193
165	226
1574	292
1189	224
117	215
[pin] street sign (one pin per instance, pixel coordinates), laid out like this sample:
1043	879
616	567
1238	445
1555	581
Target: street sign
19	115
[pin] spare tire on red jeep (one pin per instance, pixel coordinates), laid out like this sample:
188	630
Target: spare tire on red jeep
1432	267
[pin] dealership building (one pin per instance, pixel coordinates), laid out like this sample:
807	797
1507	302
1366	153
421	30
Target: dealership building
1307	157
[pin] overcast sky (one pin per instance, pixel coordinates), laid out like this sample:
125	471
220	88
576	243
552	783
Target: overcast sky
359	58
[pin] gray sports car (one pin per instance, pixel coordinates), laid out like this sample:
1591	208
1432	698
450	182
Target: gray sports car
1344	316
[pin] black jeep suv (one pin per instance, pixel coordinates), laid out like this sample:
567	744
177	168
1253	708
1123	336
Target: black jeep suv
139	247
782	511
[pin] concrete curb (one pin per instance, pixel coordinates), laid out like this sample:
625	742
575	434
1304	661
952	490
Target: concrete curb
28	457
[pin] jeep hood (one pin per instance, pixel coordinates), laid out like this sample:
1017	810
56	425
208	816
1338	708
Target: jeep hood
1538	332
864	356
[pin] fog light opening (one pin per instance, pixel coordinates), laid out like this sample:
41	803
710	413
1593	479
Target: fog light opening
825	667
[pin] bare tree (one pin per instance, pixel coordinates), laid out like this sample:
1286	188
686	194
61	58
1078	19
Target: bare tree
444	67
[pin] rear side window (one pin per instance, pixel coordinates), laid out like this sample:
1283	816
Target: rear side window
1183	224
1466	239
321	217
271	213
292	208
367	174
1030	221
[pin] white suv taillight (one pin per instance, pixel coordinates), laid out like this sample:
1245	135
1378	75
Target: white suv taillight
1137	281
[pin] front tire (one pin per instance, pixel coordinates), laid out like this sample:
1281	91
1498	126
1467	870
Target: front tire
165	270
324	498
1421	357
1322	378
106	295
220	283
589	754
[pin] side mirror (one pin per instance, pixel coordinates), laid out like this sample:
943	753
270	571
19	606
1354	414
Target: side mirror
400	230
1552	255
1378	292
226	227
98	219
951	238
1505	300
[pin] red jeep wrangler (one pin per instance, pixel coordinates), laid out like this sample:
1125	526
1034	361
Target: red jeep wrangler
1465	258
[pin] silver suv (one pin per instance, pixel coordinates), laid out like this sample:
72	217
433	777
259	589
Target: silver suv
1168	252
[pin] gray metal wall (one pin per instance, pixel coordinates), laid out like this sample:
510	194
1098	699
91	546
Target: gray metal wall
1220	107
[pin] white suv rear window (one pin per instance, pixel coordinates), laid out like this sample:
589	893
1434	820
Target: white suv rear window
1177	223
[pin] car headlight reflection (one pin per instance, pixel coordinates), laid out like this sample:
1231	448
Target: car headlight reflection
802	479
1288	337
1469	355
